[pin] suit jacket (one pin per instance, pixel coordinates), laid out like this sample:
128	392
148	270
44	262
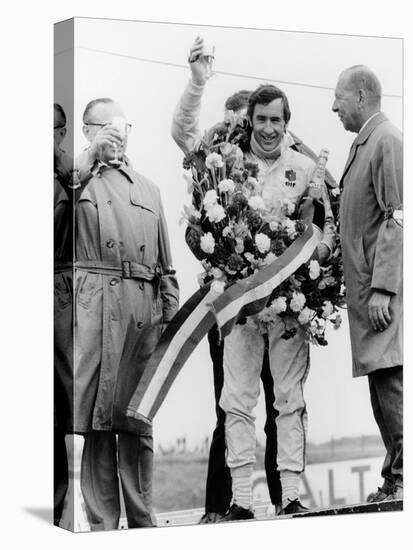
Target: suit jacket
372	241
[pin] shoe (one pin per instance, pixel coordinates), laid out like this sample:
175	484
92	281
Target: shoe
381	494
210	517
396	494
293	507
236	513
278	508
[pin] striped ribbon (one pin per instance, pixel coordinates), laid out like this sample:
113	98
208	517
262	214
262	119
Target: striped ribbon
203	310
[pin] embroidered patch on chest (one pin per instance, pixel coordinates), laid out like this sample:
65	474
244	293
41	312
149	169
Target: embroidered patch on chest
290	178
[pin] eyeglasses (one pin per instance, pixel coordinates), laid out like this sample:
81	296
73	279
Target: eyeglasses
103	124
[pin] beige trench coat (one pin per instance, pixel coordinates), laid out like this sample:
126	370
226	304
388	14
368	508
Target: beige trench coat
124	290
372	241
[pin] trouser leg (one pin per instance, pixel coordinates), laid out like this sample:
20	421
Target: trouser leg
218	486
99	480
270	429
135	456
289	364
386	394
243	353
61	474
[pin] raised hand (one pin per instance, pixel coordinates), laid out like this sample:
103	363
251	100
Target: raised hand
199	64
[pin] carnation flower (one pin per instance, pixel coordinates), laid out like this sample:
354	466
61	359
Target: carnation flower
214	160
306	314
235	262
254	182
226	186
297	301
314	269
216	213
256	203
279	304
289	226
254	220
263	242
210	198
218	286
207	243
274	225
217	273
328	309
269	258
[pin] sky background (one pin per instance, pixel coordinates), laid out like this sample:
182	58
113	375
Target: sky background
106	65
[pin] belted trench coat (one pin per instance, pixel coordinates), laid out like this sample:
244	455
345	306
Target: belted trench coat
122	289
372	241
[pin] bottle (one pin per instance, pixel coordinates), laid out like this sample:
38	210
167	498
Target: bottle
317	179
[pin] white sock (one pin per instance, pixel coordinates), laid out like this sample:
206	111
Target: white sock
242	485
289	486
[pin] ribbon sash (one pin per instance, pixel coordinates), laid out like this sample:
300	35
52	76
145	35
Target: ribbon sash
204	309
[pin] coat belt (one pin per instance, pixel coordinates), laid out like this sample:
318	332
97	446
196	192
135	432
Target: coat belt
126	269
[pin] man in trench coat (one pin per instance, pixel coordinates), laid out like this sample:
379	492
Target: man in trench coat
124	291
372	241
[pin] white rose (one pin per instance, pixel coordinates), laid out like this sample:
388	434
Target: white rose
208	243
256	203
314	269
289	226
305	316
328	309
262	242
297	301
226	186
216	213
210	198
214	160
279	304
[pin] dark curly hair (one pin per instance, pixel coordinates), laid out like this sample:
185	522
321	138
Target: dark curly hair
263	95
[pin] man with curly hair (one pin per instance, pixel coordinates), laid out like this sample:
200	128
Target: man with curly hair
274	149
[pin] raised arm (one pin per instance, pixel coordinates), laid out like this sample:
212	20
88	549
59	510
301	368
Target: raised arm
185	121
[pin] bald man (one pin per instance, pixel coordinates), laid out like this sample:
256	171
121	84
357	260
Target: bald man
372	242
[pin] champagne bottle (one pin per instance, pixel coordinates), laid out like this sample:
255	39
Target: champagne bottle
318	177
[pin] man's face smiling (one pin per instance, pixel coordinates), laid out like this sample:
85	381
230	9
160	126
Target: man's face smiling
268	124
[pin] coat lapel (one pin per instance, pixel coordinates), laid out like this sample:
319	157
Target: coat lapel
360	140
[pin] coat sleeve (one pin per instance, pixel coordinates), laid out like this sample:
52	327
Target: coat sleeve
168	284
387	175
185	122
